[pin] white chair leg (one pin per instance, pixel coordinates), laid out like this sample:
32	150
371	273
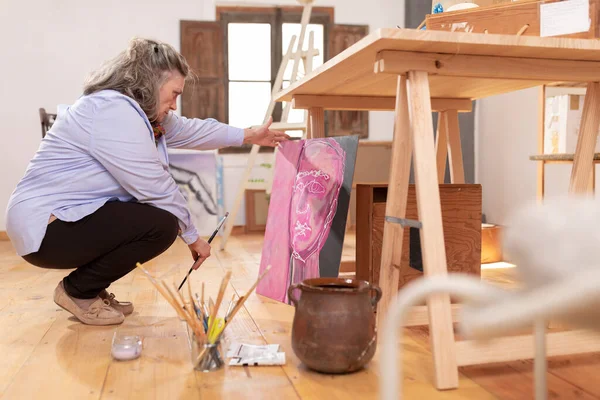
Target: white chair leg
540	365
465	287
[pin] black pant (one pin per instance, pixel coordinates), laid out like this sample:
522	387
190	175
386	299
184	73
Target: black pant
105	245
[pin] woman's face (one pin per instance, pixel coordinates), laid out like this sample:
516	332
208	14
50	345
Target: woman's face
168	94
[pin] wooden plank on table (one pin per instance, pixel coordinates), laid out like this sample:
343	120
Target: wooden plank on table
373	103
469	352
419	315
400	62
431	233
351	72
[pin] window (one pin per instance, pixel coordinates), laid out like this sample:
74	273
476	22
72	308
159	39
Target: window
256	40
236	58
249	72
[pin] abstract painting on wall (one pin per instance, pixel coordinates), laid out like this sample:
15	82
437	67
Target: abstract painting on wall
196	173
307	215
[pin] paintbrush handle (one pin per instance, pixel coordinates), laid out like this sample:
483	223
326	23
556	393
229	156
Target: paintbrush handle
210	239
191	269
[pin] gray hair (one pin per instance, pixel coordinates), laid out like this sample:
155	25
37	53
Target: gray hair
139	72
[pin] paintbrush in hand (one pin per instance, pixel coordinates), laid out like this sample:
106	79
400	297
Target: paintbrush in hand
209	240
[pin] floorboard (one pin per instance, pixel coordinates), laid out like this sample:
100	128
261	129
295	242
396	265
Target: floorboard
47	351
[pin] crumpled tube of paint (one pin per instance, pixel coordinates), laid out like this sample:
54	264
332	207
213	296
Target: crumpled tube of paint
253	355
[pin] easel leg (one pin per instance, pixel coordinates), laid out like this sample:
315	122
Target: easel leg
316	123
586	143
441	333
393	234
239	197
541	165
457	170
441	146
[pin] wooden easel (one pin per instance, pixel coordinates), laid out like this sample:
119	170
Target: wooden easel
413	138
413	141
298	55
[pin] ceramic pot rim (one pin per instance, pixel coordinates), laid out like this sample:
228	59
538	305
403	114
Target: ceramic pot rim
323	285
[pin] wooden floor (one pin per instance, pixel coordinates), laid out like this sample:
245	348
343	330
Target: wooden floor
46	353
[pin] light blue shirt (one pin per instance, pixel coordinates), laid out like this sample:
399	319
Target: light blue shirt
100	149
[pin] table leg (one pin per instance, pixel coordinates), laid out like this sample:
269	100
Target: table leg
586	142
432	237
316	122
441	146
457	170
393	233
541	165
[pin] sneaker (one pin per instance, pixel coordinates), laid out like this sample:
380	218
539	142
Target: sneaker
99	313
125	307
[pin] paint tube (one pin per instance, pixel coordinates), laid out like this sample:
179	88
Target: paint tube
241	355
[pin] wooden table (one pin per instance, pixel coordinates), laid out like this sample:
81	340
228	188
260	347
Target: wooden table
414	72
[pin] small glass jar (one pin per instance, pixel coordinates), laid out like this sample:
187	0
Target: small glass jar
206	358
126	347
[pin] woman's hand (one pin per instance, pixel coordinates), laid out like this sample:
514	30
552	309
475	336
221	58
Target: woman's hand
263	136
200	252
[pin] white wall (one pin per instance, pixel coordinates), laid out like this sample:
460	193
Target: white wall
49	47
506	137
507	134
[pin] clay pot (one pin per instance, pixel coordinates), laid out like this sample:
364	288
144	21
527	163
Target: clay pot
334	324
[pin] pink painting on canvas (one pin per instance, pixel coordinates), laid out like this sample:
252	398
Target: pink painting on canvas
306	185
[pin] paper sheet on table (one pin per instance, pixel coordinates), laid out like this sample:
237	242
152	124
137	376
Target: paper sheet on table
564	17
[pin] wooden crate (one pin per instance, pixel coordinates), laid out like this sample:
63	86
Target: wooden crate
506	19
446	4
461	222
257	207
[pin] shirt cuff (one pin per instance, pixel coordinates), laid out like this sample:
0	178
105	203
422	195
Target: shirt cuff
235	136
190	236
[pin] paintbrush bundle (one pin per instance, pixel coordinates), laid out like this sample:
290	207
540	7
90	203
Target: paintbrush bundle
203	317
